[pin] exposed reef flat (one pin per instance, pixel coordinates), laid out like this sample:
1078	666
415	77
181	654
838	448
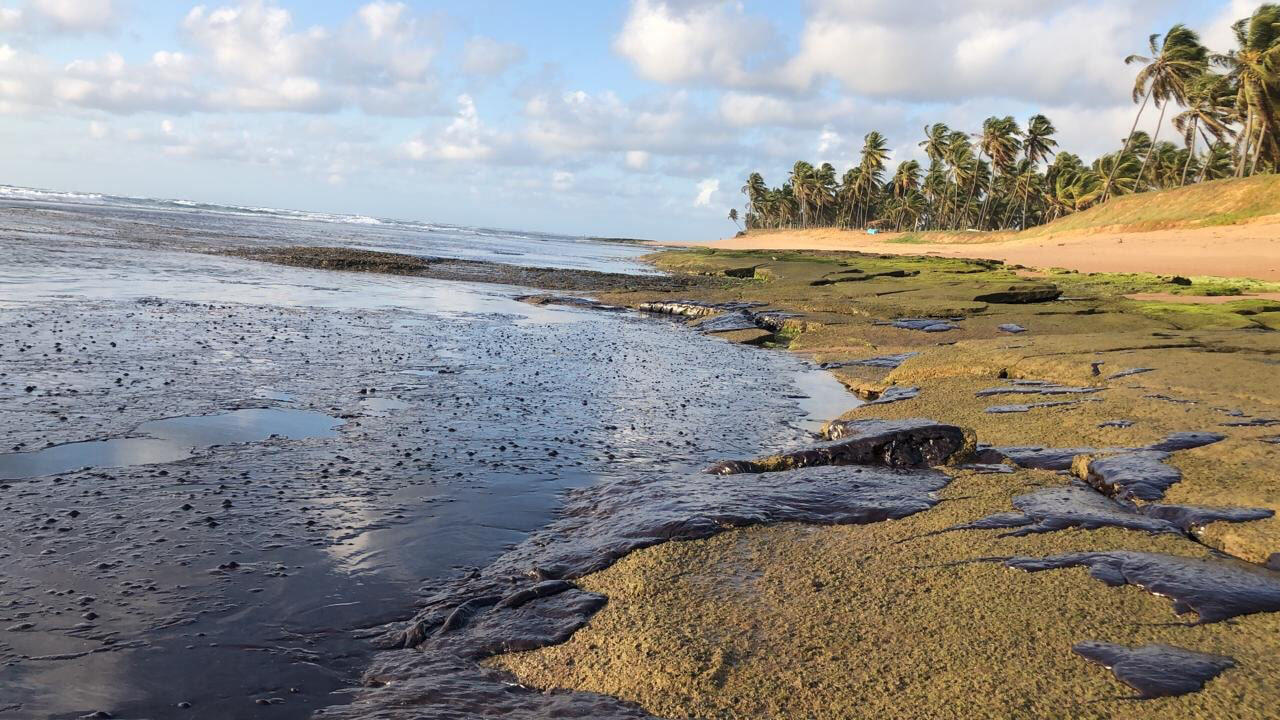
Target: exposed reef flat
371	261
890	618
790	613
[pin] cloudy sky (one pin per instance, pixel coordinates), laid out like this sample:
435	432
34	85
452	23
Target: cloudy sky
617	117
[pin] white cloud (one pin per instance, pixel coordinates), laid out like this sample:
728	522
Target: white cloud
561	181
637	159
487	57
694	41
98	130
246	57
465	139
62	16
1218	35
996	48
10	19
706	190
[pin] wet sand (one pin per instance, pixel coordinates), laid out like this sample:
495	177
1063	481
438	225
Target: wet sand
317	445
731	566
1247	250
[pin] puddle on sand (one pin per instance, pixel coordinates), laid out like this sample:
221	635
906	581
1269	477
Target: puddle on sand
169	440
822	398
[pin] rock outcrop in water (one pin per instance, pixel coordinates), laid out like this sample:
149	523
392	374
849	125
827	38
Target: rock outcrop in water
914	443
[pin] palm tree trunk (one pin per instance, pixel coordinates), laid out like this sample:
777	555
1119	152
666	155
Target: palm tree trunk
1159	123
977	166
1111	176
1257	150
1208	154
1191	151
1244	141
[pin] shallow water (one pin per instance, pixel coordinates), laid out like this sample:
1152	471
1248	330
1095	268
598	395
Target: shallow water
444	423
169	440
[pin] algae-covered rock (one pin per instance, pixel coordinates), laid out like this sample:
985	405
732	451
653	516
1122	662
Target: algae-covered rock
915	443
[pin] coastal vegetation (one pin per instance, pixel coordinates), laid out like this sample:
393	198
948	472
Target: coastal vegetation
1011	175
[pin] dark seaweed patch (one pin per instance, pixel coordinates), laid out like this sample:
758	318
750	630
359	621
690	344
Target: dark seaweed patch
1156	670
1059	508
1215	589
525	599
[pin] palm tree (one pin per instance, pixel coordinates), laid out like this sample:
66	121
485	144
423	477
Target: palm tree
906	178
959	156
875	151
1253	67
1001	142
733	216
802	187
1173	62
1209	103
1036	147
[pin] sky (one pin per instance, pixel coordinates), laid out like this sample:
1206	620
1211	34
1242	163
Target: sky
624	118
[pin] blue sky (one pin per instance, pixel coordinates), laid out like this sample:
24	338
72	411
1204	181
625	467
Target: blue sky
625	118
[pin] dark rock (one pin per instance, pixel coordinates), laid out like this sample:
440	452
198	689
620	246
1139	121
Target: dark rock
1215	589
929	325
1156	670
998	409
888	362
1025	388
1142	474
1059	508
914	443
1186	441
1022	293
693	308
1179	280
894	393
1252	422
728	322
1130	371
570	301
1116	424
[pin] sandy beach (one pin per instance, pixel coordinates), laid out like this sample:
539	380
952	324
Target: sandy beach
1250	250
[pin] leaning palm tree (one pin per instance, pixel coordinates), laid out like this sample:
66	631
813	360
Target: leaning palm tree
1209	108
733	217
1165	73
1254	67
906	178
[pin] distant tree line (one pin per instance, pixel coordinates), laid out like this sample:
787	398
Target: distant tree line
1009	176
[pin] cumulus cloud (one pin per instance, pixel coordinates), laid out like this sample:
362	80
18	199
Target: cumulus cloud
935	50
247	57
706	190
62	16
695	41
637	159
464	139
486	57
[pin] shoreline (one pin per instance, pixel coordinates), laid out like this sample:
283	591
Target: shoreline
592	609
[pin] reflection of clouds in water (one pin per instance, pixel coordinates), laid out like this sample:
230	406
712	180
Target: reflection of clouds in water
196	277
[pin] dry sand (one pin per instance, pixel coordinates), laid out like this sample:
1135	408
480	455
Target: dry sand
1247	250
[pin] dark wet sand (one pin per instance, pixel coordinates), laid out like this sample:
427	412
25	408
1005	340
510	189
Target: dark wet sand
234	578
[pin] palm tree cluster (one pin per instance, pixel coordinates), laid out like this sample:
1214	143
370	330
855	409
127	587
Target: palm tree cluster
1226	109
